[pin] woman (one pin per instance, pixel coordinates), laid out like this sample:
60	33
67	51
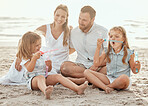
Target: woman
57	37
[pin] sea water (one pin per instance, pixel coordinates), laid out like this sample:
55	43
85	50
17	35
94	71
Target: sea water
12	28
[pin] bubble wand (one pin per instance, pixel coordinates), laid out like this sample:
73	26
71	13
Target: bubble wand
136	59
48	51
111	41
46	73
114	41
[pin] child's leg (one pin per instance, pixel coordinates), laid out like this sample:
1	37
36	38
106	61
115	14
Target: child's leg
53	79
121	82
77	80
38	82
103	70
98	79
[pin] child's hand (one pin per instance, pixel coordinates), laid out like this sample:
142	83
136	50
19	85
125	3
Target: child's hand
17	64
48	63
99	43
137	65
93	67
37	55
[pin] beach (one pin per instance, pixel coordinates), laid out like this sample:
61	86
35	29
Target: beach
12	29
61	96
19	16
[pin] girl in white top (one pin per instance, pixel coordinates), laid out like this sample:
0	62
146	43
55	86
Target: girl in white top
37	77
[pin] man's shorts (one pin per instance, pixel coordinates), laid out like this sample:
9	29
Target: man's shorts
82	65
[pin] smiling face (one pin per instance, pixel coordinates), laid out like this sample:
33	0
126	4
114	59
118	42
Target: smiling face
116	35
85	21
36	46
60	17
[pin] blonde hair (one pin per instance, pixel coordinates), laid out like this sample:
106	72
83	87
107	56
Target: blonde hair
65	25
125	43
25	45
90	10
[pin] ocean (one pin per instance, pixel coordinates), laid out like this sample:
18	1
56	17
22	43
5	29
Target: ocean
12	28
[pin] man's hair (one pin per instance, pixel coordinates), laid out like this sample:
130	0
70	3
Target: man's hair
90	10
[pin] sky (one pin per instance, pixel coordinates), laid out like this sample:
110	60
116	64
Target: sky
107	10
109	13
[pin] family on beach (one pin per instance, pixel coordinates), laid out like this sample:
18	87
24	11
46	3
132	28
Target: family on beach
104	58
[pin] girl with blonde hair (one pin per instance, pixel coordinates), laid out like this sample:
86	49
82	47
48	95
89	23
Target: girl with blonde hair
119	61
35	65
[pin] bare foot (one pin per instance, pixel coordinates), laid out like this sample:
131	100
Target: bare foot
108	90
82	88
48	91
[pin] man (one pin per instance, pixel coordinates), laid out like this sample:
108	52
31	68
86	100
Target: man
84	41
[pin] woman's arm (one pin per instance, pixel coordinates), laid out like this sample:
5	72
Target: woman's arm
71	50
134	64
41	29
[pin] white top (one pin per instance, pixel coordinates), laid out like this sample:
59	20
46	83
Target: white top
14	77
60	55
85	43
39	69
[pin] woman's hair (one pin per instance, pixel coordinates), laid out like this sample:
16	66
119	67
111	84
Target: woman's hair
26	45
65	25
90	10
125	43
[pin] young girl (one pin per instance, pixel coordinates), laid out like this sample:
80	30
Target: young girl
119	60
29	50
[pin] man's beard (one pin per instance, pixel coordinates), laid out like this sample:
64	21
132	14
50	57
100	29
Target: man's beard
83	27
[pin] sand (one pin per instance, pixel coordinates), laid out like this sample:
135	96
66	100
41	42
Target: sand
61	96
